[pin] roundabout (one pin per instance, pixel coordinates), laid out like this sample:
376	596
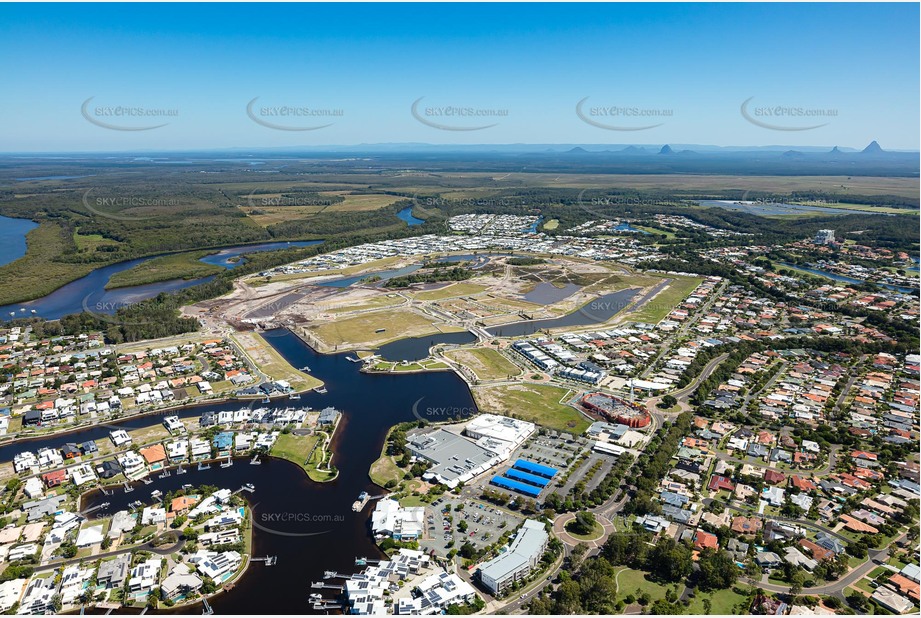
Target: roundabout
601	530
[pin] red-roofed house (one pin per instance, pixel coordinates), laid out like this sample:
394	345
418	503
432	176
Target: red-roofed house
703	540
718	482
802	483
774	477
53	479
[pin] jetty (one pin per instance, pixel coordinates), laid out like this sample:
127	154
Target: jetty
320	389
325	586
227	463
268	560
95	508
204	466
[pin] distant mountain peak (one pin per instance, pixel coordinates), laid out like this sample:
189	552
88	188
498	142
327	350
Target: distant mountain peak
634	150
792	154
577	150
666	150
872	148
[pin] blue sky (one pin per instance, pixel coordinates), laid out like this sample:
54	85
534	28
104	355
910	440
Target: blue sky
686	67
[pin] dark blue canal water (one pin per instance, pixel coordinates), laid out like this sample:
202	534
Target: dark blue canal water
309	526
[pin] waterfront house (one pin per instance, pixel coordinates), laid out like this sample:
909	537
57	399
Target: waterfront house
180	583
112	573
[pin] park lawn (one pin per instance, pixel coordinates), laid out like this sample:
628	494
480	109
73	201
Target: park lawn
631	581
361	329
434	365
165	268
411	501
451	291
552	224
532	402
294	448
486	363
662	303
383	470
722	602
407	367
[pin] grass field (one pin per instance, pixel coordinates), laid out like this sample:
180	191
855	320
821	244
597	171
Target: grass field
354	202
666	300
360	330
655	230
451	291
486	363
270	215
861	207
89	242
376	302
721	602
383	470
165	268
552	224
631	581
295	449
531	402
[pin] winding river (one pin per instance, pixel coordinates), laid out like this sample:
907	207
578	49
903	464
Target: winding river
89	294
